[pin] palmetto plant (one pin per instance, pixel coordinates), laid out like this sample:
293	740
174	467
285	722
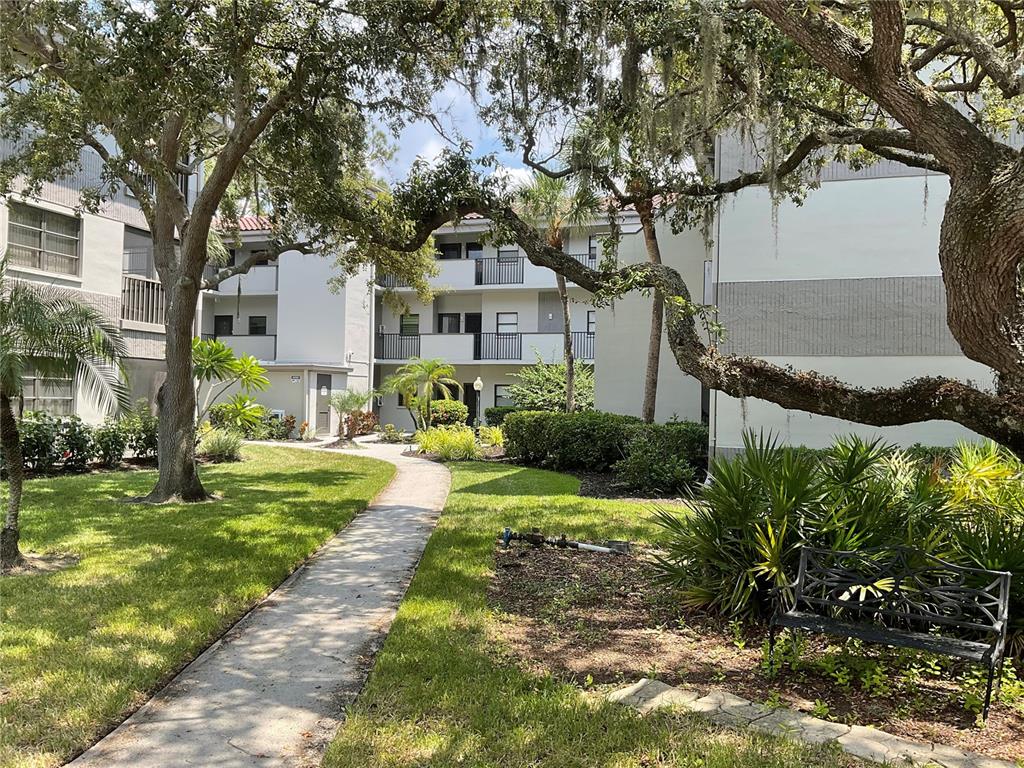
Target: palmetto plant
48	331
214	361
421	379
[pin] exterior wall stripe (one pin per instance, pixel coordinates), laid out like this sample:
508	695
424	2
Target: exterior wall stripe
841	317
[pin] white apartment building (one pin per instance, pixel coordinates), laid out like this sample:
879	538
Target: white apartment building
311	340
493	312
105	258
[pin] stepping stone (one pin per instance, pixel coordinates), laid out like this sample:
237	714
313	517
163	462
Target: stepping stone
881	747
796	725
727	709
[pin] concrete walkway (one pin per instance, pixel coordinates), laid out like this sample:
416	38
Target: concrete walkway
271	692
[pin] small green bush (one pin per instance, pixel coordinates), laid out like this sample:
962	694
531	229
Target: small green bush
221	444
661	459
389	433
541	386
495	415
448	412
280	428
491	436
39	448
75	444
111	442
588	441
141	426
450	443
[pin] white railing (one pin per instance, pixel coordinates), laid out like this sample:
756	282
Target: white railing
142	300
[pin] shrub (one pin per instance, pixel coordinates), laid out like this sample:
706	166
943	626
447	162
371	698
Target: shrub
111	442
221	444
495	415
75	443
141	427
541	387
358	423
389	433
447	412
39	448
588	441
661	458
280	428
244	415
450	443
491	436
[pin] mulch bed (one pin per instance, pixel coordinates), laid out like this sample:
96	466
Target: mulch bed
596	619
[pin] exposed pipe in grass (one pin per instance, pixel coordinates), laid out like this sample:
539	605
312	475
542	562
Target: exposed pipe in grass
538	539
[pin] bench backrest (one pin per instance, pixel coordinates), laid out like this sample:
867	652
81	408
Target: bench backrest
902	587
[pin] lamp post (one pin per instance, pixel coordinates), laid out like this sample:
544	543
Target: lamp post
478	385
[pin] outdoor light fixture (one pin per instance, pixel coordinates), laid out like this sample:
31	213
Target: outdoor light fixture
478	385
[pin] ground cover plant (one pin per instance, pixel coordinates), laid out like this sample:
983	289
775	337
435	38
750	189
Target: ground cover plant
83	646
443	692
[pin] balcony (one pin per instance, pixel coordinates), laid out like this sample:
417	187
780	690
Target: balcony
397	346
467	348
260	279
142	303
499	271
262	347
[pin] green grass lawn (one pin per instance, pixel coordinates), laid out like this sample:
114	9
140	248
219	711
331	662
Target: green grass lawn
81	647
440	696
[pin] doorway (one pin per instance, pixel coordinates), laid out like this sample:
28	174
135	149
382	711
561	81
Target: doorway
474	323
323	403
472	400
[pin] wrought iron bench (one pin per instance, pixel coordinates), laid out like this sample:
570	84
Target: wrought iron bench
903	597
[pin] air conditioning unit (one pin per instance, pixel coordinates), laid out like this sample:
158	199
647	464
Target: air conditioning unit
277	413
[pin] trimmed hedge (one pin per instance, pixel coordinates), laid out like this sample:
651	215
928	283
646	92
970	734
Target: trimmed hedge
496	414
646	458
444	413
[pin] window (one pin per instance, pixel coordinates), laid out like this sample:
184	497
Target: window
591	320
409	325
508	254
508	322
501	396
257	325
223	325
448	322
43	240
474	251
592	246
448	251
54	396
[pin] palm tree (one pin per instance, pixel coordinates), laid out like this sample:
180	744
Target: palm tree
48	331
422	378
556	206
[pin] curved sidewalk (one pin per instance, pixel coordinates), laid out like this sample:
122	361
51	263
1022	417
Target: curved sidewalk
272	690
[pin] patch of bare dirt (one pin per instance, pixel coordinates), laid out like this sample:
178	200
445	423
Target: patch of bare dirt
596	618
45	563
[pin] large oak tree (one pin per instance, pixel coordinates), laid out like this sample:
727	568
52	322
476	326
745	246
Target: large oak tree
277	95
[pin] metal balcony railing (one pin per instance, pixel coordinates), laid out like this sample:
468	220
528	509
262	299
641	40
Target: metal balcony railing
583	345
142	300
497	346
391	281
397	346
586	259
499	271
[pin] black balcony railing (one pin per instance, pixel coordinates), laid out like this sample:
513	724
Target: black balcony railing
499	271
391	281
583	345
397	346
497	346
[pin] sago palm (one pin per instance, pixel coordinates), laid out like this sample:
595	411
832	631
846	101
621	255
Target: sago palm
424	377
48	331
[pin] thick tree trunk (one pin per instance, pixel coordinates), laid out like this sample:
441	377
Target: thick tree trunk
647	410
10	444
176	452
570	362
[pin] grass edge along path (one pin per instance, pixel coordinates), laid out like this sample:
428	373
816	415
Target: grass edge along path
82	648
440	694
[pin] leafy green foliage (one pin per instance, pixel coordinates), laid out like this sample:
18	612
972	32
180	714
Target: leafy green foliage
75	443
490	436
495	415
240	413
141	426
742	536
661	459
448	412
358	423
214	361
420	382
111	442
389	433
449	443
589	441
221	445
39	448
541	387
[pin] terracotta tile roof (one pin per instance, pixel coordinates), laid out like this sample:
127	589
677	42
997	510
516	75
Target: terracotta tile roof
247	224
